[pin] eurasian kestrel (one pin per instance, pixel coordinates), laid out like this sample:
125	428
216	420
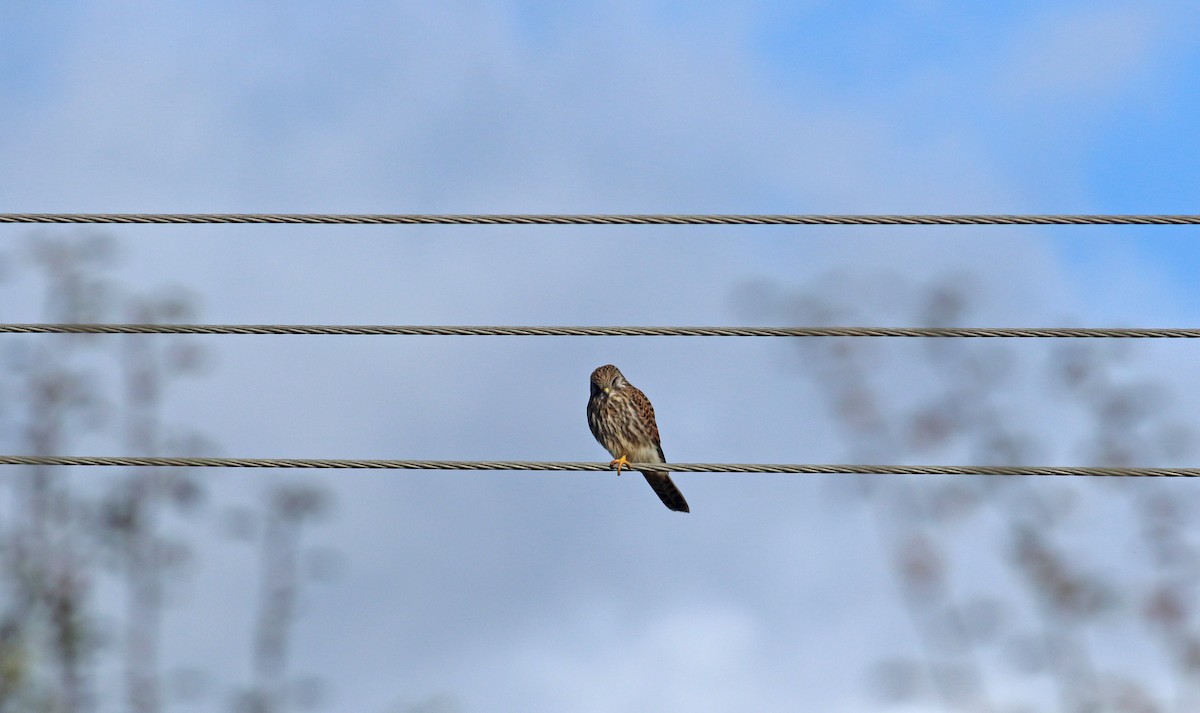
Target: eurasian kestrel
622	420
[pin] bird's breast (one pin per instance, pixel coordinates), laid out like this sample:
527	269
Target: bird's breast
618	427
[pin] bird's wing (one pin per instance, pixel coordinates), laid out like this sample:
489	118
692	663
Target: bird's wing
645	413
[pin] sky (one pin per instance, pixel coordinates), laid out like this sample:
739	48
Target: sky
535	592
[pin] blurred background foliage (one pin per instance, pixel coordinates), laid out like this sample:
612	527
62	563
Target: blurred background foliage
1043	605
92	561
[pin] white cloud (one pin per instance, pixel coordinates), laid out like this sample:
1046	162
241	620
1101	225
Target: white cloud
693	658
1085	52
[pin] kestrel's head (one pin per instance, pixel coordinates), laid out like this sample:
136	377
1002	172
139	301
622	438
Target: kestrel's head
606	379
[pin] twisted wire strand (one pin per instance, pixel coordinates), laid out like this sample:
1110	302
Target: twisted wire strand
585	219
549	331
795	469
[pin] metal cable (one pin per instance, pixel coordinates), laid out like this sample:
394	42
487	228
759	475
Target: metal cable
615	219
501	331
795	469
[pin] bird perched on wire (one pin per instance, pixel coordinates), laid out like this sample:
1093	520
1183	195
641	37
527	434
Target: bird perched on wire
622	420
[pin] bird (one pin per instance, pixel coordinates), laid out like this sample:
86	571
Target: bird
622	420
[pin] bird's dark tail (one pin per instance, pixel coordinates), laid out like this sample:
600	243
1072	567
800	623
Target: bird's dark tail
666	490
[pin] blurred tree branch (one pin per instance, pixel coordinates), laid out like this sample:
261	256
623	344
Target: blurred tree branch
64	542
991	403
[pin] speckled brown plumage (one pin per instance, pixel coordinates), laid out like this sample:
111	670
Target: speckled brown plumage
622	420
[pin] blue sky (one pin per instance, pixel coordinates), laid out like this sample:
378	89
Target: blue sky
541	593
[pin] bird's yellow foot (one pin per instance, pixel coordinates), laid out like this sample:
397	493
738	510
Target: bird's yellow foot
619	462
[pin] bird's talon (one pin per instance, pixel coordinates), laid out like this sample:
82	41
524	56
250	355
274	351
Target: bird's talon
619	462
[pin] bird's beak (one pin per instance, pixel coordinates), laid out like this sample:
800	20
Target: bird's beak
607	390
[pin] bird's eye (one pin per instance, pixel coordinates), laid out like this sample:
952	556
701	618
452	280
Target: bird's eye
616	383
